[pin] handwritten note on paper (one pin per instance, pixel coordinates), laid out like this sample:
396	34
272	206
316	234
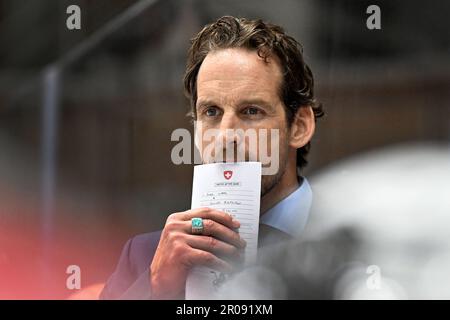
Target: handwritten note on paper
234	188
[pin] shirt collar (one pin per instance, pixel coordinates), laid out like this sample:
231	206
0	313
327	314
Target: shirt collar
290	215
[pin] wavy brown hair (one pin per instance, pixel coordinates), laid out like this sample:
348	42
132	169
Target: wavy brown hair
297	88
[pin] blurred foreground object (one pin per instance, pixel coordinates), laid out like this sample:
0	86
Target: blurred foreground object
398	200
91	292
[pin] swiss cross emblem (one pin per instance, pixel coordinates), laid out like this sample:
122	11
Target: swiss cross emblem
228	174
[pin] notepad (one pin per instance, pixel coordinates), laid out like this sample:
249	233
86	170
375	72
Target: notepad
236	189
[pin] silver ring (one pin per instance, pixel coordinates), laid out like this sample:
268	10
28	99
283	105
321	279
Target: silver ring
197	225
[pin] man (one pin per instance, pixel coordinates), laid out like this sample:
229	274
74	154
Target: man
240	74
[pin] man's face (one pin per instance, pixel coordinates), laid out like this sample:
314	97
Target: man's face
236	89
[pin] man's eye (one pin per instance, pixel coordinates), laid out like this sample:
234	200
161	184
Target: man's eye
211	112
251	111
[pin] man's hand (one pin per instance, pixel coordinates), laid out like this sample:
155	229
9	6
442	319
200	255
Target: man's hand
179	250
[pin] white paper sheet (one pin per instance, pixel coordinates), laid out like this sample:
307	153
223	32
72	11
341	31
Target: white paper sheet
234	188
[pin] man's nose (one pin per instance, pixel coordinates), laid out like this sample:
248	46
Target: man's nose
228	129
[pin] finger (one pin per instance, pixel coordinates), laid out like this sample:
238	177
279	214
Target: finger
207	259
213	214
219	231
212	245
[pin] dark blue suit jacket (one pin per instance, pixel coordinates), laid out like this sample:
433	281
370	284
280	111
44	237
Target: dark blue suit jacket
131	279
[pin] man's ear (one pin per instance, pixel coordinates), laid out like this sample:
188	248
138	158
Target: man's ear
302	128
